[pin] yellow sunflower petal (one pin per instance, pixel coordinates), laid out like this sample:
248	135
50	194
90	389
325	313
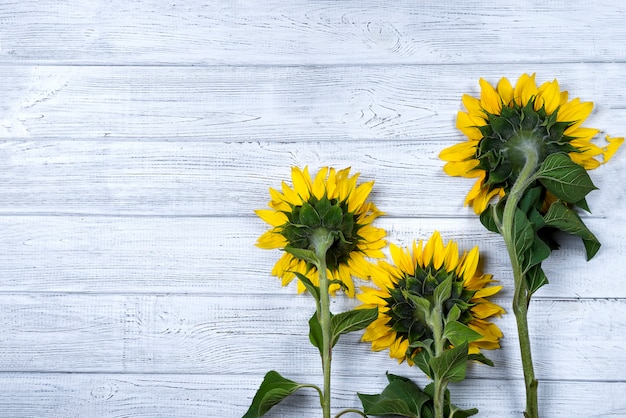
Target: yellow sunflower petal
468	126
489	98
548	95
614	144
462	168
459	152
525	89
505	90
319	186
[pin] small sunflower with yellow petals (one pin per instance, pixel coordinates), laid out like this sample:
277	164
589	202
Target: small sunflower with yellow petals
505	121
331	201
403	324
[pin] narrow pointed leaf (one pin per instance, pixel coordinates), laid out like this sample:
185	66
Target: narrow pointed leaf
313	290
315	332
303	254
350	321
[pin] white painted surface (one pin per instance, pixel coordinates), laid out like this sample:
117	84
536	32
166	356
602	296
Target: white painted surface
138	137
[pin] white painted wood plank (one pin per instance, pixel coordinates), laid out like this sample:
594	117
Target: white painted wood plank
217	255
285	104
123	177
310	32
187	334
190	396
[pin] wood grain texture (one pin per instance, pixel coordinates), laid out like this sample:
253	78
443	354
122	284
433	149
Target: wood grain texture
311	32
137	138
210	334
191	396
122	177
216	255
286	104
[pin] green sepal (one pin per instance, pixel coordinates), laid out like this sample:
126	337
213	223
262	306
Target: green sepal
315	332
564	178
401	397
273	390
458	333
443	291
451	364
333	217
309	216
567	220
303	254
535	278
350	321
454	313
313	290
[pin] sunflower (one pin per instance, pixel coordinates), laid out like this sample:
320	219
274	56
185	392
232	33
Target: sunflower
418	271
333	201
505	121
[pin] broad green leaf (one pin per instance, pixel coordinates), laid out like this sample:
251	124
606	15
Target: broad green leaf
350	321
530	199
488	217
315	332
401	397
451	364
273	390
422	361
564	178
567	220
523	233
535	278
537	252
443	291
309	216
313	290
303	254
457	333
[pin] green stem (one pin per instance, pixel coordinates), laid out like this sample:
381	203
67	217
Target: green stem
436	324
521	298
321	240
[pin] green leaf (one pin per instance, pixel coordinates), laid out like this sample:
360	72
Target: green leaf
530	199
273	390
315	332
443	291
488	218
309	216
313	290
350	321
422	360
537	252
523	233
454	313
564	178
451	364
458	333
303	254
420	302
479	357
567	220
535	278
400	397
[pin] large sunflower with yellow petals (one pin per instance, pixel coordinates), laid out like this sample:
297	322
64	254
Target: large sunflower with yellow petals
505	120
333	201
417	271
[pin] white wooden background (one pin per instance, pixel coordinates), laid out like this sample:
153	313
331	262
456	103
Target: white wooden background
139	136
